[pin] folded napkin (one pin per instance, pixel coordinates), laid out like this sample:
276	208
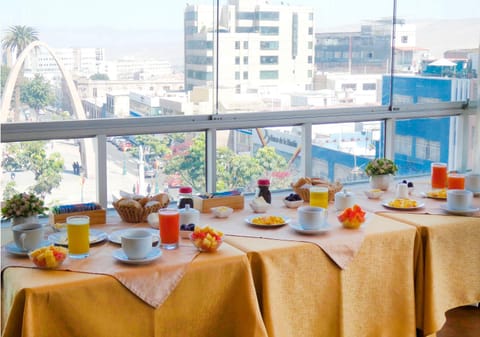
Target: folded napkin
151	282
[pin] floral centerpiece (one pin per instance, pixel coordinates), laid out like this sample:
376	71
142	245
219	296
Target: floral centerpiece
21	206
380	171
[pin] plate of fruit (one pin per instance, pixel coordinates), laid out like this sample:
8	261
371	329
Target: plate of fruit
49	257
352	217
206	239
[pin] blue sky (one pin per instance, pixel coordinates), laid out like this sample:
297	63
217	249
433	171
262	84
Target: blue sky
153	14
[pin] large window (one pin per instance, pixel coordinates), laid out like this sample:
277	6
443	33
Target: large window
285	70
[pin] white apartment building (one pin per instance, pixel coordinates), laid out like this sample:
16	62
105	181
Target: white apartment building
265	48
78	61
138	69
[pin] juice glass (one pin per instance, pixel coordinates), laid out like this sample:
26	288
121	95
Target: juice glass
439	175
319	196
169	221
78	234
456	181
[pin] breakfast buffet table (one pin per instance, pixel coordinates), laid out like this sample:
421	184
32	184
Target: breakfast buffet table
397	273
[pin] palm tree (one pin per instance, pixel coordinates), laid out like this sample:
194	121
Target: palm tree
16	39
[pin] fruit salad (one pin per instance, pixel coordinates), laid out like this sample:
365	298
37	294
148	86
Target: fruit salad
206	239
48	257
352	217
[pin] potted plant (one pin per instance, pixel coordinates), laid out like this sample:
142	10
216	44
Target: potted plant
381	172
23	208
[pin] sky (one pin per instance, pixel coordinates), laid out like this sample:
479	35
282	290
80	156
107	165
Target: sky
154	14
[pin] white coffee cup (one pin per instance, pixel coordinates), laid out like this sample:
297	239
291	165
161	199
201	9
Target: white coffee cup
310	217
459	200
472	182
28	236
137	243
401	191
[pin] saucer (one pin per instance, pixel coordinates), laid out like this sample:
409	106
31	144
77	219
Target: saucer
459	212
320	230
154	254
12	248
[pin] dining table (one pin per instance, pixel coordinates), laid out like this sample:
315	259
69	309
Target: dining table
183	293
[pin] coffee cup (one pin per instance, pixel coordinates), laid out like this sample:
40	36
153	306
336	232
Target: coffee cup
310	217
28	236
472	182
459	200
137	243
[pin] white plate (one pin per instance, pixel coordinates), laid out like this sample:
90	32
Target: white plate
12	248
251	217
154	254
61	238
459	212
298	228
116	236
419	205
427	195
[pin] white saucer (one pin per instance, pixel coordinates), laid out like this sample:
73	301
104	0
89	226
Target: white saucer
12	248
154	254
459	212
298	228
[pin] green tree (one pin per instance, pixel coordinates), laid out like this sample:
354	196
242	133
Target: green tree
16	39
272	163
47	169
151	145
234	171
99	77
37	93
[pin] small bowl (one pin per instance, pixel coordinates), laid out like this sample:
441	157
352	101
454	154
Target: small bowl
293	204
222	211
49	257
259	208
374	194
204	246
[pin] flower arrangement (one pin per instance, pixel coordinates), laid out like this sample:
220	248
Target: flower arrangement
380	166
23	205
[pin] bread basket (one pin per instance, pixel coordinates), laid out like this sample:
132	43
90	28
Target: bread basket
302	187
137	210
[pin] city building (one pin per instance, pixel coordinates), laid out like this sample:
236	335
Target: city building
264	47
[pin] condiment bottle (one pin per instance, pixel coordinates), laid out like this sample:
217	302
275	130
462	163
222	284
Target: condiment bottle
185	197
264	190
344	199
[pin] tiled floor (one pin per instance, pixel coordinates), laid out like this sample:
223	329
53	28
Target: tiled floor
462	322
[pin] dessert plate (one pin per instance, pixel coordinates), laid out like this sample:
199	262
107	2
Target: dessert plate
433	195
116	236
154	254
419	205
12	248
298	228
251	218
61	238
459	212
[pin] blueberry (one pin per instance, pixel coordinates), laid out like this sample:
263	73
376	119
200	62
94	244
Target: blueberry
404	181
410	184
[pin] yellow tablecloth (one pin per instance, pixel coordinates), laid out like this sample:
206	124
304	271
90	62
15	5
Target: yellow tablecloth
451	246
216	297
303	293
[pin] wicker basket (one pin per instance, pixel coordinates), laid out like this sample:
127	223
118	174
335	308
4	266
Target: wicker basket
139	214
304	191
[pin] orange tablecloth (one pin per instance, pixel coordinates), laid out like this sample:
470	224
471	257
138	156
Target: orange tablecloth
304	293
216	297
451	277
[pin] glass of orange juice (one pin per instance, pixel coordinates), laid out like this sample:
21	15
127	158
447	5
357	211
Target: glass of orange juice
78	234
319	196
439	175
169	221
456	181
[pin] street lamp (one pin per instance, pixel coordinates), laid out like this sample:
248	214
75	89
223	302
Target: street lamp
124	161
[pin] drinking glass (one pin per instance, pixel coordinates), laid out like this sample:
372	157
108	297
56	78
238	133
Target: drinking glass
456	181
319	196
78	234
169	221
439	175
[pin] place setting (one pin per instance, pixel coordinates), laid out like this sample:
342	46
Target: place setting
139	246
459	202
26	238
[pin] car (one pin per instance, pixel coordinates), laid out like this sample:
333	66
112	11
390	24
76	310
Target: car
149	172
